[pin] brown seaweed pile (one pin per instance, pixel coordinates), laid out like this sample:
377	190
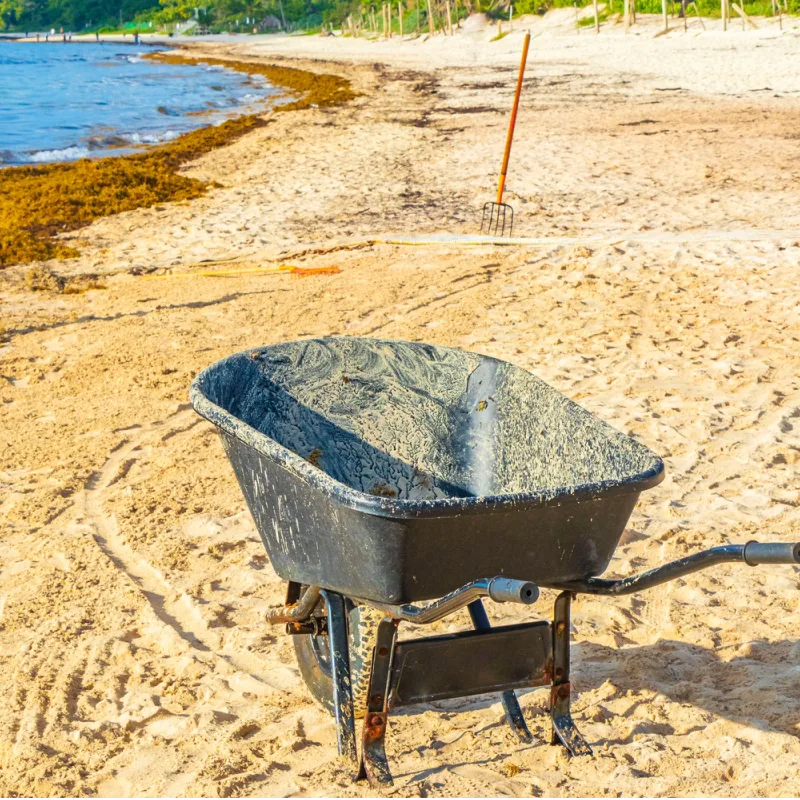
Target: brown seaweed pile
37	203
313	89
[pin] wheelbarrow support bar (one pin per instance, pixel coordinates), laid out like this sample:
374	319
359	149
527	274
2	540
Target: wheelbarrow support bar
297	609
752	553
499	589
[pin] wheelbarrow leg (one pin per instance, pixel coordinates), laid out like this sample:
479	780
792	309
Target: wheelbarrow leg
340	670
374	765
564	730
514	716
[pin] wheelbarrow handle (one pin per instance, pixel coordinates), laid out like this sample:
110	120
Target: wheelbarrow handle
771	553
752	553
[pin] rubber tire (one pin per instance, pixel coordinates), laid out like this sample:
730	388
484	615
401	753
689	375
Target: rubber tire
313	658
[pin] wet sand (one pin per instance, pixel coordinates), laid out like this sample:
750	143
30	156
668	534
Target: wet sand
662	174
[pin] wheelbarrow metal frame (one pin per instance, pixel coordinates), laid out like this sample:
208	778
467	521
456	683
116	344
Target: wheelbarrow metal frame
486	660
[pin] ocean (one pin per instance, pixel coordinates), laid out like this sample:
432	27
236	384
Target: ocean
60	102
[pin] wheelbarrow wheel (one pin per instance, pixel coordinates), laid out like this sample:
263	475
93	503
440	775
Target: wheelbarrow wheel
314	659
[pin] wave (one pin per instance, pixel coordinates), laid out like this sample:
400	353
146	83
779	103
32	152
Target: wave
152	138
95	144
117	139
64	154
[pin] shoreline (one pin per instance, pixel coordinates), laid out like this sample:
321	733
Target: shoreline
38	202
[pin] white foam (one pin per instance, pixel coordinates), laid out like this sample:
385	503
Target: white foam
150	138
65	154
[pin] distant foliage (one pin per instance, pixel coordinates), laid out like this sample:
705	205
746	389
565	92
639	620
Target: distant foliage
245	16
71	15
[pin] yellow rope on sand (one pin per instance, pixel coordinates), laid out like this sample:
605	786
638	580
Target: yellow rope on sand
455	240
300	272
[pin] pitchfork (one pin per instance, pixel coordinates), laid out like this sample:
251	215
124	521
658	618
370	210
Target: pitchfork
499	214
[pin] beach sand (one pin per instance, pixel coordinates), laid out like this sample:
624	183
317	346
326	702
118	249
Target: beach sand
663	174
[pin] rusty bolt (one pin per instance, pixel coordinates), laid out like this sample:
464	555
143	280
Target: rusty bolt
376	720
377	699
383	652
559	672
563	691
561	627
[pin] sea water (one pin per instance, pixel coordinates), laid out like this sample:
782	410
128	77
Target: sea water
63	101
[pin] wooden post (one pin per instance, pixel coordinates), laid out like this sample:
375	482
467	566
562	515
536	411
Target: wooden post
626	13
697	11
449	17
510	14
400	17
596	19
431	23
664	15
633	11
724	14
745	19
419	15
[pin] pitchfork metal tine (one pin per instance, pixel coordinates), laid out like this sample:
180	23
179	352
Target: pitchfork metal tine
494	219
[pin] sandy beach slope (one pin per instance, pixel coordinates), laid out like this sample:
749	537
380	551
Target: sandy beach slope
663	174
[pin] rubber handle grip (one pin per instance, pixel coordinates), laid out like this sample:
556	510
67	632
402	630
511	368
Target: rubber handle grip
508	590
771	553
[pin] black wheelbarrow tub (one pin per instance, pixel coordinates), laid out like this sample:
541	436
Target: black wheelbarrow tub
395	471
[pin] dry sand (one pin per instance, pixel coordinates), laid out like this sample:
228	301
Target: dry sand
134	658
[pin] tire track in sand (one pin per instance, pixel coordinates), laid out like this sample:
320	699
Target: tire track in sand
173	608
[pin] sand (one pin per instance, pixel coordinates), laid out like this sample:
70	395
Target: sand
132	582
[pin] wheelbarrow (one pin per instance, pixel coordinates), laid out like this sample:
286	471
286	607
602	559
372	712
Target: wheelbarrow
395	482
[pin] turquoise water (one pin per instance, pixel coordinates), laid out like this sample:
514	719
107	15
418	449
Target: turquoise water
60	102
